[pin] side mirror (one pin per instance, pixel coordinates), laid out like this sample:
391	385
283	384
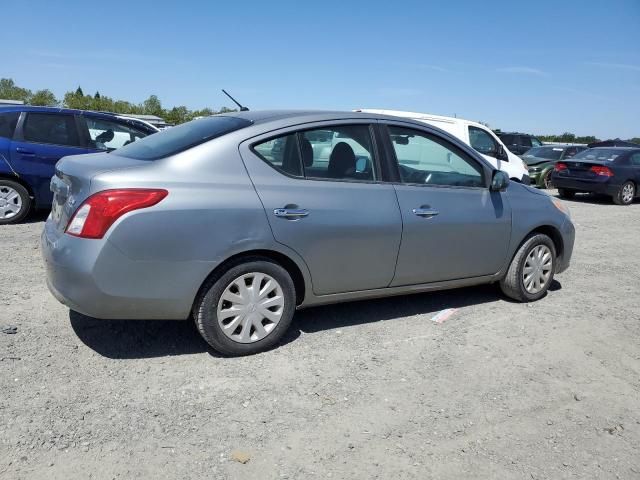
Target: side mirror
499	181
502	154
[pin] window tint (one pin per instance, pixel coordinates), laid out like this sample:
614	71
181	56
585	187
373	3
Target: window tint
425	159
8	122
535	142
525	141
178	139
282	153
57	129
635	159
482	141
340	152
508	139
550	153
570	152
109	135
608	154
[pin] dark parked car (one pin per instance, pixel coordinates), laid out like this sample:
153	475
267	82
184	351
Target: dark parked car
33	139
541	161
610	171
519	143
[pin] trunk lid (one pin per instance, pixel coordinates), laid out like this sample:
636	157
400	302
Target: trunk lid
71	184
582	169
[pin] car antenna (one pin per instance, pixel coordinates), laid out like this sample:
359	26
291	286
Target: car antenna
242	109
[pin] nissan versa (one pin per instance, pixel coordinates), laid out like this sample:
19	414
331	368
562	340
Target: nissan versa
237	220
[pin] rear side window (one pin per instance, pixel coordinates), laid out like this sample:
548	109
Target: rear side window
508	139
183	137
635	159
8	122
56	129
341	152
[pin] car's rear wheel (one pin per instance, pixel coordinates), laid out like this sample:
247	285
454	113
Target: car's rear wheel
566	193
625	194
15	202
547	181
531	271
247	309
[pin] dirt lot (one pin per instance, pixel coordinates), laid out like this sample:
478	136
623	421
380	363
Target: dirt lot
363	390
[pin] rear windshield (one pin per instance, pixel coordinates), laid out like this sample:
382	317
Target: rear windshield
551	153
183	137
599	154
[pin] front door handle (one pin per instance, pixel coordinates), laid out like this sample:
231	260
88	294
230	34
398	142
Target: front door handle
24	151
425	212
291	213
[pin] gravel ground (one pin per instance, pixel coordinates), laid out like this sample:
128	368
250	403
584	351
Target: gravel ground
362	390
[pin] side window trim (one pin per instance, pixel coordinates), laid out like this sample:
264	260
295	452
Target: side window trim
392	157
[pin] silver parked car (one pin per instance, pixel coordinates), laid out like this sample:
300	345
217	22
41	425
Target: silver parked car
237	220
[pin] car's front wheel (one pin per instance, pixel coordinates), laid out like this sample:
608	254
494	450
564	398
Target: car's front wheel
531	271
15	202
625	194
247	309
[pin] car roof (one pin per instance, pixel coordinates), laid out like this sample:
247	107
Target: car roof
38	109
258	117
622	149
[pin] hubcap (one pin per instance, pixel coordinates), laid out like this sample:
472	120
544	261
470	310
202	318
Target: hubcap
627	193
537	269
10	202
548	183
250	307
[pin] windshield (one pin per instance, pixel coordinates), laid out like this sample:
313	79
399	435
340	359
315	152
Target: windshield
599	154
178	139
550	153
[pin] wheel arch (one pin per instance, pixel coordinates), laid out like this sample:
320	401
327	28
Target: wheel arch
279	258
550	231
14	178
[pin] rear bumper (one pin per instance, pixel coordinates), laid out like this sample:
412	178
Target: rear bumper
568	232
96	279
603	186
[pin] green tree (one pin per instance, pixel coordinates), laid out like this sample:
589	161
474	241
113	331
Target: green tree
177	115
79	92
635	140
43	97
152	106
10	91
97	95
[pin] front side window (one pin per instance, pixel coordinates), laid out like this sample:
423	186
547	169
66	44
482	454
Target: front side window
535	142
343	152
56	129
426	159
481	141
8	122
109	135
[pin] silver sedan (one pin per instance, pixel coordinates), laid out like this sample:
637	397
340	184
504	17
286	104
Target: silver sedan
238	220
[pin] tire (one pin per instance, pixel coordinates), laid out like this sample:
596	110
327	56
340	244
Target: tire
252	331
625	194
514	284
566	193
547	181
15	202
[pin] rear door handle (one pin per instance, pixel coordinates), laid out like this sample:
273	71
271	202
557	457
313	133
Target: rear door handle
425	212
24	151
291	213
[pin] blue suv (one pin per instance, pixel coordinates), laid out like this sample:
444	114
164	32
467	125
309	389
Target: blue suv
33	139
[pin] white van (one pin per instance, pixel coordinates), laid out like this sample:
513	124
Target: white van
476	135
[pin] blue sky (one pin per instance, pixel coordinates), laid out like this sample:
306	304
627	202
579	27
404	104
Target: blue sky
540	67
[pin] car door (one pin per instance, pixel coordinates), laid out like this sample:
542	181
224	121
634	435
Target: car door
635	164
40	140
322	194
453	226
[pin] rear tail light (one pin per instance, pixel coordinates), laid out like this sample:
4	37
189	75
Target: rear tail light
602	171
560	167
98	212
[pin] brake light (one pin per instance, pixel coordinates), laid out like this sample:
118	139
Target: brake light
98	212
602	171
560	167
